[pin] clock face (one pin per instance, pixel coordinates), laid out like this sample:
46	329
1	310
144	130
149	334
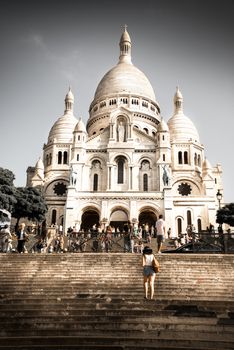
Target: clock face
184	189
60	188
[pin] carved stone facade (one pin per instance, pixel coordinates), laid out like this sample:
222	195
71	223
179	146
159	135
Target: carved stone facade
127	164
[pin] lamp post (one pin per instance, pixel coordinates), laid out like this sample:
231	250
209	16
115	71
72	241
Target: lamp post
219	197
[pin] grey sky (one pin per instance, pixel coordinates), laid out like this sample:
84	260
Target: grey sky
47	45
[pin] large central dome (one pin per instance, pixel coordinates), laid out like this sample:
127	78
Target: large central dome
124	78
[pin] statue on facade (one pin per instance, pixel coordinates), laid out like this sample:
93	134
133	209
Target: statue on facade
165	176
73	177
121	132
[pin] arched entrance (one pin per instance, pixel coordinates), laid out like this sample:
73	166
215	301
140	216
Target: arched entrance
88	219
147	216
118	219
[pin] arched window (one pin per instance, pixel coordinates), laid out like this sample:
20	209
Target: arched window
195	159
145	182
78	137
153	133
180	158
185	157
199	160
65	157
47	159
120	165
164	158
146	130
179	226
163	137
50	159
95	182
53	217
60	157
77	157
189	218
199	225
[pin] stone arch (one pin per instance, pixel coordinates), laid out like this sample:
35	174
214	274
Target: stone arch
145	174
196	188
96	173
50	190
90	216
94	157
119	217
117	114
120	154
147	215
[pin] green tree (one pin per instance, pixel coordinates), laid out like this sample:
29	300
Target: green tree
7	191
225	215
30	204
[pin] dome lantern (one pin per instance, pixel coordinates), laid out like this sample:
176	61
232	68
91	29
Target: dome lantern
178	101
69	102
125	47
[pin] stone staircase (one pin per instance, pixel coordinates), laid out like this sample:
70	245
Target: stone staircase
95	301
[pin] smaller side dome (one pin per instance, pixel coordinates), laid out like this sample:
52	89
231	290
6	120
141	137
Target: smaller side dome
180	126
39	164
39	168
206	165
162	127
80	126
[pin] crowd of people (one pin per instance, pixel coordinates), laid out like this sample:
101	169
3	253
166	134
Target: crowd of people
129	237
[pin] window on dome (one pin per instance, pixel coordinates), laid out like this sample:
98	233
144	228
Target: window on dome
101	129
145	182
95	182
65	157
78	137
180	161
94	133
146	130
185	157
153	133
163	137
59	157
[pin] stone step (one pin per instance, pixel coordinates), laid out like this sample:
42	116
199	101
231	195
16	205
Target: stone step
126	331
111	340
95	301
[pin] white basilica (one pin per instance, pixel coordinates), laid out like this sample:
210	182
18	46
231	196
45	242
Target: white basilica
127	164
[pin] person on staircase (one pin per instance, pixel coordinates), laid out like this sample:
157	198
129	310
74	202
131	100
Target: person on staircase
161	232
148	273
22	237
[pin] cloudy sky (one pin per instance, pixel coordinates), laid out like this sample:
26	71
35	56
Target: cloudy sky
48	45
